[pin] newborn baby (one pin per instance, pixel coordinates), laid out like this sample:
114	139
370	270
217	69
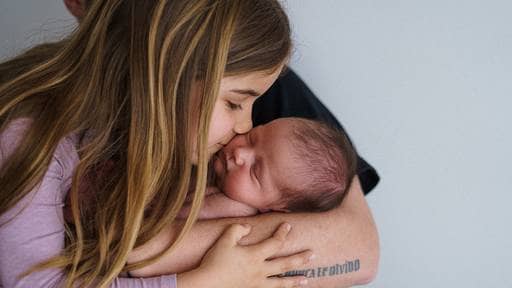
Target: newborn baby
287	165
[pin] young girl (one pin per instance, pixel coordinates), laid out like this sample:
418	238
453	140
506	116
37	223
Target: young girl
138	82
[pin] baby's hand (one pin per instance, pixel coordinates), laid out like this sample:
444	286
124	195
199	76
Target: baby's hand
217	205
230	265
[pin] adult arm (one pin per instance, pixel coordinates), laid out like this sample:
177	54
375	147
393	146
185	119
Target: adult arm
33	230
341	236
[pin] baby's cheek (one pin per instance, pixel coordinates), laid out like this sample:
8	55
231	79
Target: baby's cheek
231	187
238	188
244	192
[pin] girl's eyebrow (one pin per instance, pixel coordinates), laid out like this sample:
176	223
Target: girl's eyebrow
249	92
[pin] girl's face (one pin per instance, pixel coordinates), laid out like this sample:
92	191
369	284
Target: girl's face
233	108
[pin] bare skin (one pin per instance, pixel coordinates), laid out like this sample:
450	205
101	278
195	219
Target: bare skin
347	233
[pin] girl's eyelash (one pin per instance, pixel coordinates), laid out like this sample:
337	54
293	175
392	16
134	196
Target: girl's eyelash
233	106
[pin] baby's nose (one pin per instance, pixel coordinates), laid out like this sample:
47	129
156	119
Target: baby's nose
242	156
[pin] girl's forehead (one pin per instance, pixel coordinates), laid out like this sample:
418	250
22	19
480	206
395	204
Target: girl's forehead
258	81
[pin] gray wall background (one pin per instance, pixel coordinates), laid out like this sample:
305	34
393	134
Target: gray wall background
422	88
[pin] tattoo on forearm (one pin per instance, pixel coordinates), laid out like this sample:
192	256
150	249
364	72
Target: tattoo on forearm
334	270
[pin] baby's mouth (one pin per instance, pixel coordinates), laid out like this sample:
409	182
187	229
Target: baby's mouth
220	165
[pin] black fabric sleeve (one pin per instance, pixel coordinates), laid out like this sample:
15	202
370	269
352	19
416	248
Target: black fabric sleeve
289	96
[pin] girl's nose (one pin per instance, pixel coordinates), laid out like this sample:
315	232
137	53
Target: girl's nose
243	126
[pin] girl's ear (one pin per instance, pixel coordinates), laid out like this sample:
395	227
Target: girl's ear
76	7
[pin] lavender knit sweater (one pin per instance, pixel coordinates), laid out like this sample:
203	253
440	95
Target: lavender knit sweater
35	231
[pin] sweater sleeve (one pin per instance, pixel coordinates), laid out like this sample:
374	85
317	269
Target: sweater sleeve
33	230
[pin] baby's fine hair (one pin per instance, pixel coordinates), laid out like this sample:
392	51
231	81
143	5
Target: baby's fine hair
327	162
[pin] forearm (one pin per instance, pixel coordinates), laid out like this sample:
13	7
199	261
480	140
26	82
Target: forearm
338	237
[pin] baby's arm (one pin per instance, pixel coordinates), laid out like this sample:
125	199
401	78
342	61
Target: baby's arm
217	205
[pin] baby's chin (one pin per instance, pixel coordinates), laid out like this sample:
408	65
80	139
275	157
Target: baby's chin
231	193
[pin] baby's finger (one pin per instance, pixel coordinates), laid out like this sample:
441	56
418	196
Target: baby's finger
234	233
288	282
270	246
284	264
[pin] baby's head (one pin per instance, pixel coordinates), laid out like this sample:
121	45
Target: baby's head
289	165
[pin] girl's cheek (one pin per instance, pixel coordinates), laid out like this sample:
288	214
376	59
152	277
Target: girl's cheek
219	128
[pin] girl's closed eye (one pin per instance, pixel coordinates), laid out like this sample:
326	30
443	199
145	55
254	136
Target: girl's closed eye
233	106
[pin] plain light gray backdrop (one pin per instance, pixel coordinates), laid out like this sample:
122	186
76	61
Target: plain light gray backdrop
424	89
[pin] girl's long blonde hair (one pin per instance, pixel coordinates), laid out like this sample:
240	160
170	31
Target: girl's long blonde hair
125	75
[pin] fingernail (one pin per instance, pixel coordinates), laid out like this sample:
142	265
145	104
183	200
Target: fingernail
303	282
287	227
246	226
312	256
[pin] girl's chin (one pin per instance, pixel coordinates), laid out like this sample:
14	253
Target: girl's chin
213	149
